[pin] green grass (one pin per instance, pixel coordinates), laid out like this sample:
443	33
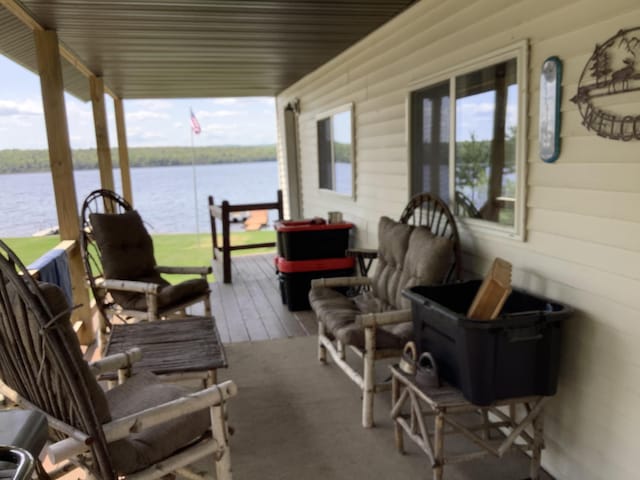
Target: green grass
172	250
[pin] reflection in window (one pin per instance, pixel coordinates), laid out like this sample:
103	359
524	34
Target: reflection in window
483	156
486	113
335	153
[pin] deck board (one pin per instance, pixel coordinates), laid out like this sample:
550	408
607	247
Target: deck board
250	308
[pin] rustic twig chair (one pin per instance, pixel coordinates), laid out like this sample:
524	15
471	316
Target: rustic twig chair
141	429
118	258
422	248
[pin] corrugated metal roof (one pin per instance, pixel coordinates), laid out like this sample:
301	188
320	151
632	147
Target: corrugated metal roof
198	48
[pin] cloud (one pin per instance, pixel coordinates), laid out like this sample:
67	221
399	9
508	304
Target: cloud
152	104
145	115
218	113
28	107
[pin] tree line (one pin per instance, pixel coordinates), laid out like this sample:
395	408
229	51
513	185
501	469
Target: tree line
22	161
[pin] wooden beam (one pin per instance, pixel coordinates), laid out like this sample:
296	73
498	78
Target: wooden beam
25	17
50	71
102	133
123	150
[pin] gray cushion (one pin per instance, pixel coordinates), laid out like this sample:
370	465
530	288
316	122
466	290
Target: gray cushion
154	444
393	241
427	262
407	256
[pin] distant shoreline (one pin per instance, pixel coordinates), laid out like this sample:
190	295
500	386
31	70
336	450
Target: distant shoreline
31	161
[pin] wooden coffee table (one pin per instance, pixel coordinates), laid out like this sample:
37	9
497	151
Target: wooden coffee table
179	349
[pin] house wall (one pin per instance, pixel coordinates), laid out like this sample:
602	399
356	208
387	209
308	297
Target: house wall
582	243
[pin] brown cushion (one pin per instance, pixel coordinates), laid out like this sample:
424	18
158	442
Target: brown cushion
154	444
169	295
127	254
125	245
393	241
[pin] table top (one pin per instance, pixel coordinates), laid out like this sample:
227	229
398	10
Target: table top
447	396
190	344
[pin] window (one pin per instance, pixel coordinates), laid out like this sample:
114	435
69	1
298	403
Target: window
471	124
335	151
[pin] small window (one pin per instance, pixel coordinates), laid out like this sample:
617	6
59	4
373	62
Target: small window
335	151
470	125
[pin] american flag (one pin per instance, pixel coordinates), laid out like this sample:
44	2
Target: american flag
195	124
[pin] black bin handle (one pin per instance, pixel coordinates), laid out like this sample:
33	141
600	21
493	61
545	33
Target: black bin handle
24	460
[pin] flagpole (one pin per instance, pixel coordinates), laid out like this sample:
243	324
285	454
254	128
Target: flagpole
195	182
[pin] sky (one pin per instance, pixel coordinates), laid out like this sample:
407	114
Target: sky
149	123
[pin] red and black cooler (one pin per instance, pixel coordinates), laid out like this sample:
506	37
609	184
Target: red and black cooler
295	277
309	249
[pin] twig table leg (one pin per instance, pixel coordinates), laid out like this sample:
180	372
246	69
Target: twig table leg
395	395
438	447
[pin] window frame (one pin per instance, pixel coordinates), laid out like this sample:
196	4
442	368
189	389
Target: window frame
520	52
329	114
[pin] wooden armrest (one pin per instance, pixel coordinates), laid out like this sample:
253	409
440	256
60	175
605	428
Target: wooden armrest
341	282
184	270
123	427
129	286
116	361
369	320
362	252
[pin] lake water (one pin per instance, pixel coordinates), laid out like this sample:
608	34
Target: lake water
164	196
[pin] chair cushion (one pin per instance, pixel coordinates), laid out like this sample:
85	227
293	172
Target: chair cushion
338	313
393	242
125	246
407	256
127	254
427	262
149	446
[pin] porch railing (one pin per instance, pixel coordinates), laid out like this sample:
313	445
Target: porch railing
223	214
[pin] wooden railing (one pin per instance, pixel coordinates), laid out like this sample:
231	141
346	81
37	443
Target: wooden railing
223	213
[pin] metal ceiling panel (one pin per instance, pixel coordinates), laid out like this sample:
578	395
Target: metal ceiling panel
17	44
201	48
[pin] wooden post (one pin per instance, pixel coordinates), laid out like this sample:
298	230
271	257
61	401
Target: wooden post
102	133
214	233
123	150
226	243
55	115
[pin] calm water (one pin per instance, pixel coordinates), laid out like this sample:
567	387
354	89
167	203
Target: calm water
164	196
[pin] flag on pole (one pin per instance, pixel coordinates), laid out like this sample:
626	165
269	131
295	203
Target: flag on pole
195	125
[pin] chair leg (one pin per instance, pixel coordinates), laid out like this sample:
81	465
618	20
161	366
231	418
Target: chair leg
207	306
322	351
223	455
369	377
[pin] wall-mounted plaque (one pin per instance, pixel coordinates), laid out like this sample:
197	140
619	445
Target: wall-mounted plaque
549	121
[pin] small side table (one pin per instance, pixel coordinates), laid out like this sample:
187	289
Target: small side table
176	349
364	257
411	406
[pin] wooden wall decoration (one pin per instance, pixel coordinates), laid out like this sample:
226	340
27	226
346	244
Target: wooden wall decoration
613	69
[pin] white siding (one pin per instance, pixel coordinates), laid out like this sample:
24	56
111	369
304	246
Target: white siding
583	212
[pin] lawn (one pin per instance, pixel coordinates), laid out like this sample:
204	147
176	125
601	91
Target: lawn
171	250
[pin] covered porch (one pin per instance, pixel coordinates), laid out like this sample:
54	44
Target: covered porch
575	223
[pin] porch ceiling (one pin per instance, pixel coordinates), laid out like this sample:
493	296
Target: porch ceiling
195	48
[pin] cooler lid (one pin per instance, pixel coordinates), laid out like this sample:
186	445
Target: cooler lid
307	225
315	265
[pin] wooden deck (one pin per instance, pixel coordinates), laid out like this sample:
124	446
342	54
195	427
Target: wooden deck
251	308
